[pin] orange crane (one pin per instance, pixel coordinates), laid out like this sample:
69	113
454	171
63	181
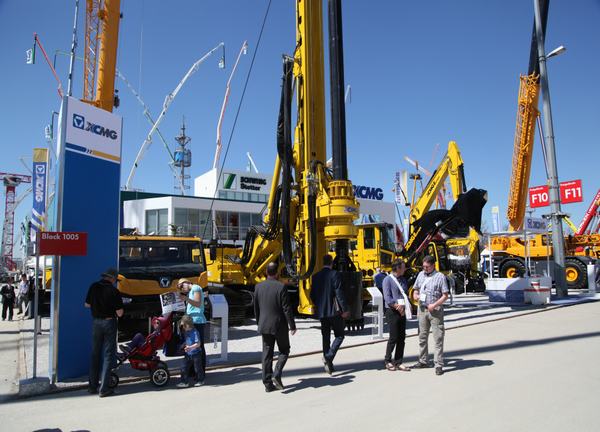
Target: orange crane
100	58
510	251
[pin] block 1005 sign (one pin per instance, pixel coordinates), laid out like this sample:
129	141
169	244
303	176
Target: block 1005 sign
63	243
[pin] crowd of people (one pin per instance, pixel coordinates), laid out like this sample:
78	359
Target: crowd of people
21	297
275	322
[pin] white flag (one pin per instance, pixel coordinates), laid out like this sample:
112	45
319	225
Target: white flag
30	56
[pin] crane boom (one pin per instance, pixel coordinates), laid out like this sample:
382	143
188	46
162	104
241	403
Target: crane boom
168	100
224	105
100	57
523	149
527	113
589	215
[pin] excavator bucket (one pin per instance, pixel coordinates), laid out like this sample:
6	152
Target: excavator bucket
468	208
465	213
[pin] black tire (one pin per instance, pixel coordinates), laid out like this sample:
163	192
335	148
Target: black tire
576	274
113	381
512	268
160	375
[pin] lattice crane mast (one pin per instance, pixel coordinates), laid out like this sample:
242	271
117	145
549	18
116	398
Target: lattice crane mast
11	181
100	57
527	114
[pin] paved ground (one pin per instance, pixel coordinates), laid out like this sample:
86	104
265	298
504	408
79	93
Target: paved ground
532	372
245	344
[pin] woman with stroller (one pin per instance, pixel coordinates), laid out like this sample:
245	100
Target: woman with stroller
193	297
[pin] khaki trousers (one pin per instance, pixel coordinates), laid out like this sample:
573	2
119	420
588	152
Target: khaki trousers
434	321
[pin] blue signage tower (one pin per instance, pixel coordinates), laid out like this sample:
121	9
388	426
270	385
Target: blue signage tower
88	183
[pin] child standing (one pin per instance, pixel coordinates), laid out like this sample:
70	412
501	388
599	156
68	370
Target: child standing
193	354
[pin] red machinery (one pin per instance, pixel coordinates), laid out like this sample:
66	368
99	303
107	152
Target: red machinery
11	181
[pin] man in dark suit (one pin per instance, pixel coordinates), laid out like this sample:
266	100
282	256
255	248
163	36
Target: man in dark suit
332	308
274	317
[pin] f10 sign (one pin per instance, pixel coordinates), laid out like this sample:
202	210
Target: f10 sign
570	192
63	243
539	196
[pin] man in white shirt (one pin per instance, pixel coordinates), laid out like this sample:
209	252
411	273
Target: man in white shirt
23	295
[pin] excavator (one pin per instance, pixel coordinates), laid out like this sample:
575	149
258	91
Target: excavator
510	251
310	206
459	255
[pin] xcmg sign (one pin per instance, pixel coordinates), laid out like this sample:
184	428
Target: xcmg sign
80	123
368	192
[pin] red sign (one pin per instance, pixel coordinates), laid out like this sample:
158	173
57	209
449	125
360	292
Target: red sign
63	243
571	192
539	196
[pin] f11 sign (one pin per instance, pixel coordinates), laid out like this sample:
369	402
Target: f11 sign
570	192
63	243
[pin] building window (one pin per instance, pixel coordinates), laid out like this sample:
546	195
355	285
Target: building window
192	222
157	222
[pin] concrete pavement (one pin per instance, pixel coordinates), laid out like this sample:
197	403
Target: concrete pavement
531	372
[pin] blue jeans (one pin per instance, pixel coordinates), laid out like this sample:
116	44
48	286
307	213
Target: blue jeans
104	347
193	363
335	323
200	328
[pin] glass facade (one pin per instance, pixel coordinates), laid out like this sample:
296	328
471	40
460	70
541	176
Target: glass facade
157	222
234	225
243	196
193	222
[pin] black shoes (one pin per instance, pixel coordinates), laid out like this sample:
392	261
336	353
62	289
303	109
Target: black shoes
328	366
420	365
109	392
270	387
439	371
91	390
277	383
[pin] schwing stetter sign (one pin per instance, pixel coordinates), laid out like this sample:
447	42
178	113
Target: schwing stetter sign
87	202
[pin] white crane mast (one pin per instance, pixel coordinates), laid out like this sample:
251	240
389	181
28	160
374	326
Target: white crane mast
168	100
243	50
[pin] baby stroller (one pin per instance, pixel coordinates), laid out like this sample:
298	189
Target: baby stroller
145	357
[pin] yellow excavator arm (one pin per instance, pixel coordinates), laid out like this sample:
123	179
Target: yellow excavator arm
451	166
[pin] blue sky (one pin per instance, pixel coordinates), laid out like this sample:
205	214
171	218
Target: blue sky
422	73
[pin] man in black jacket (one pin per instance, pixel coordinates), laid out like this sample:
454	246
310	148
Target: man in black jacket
328	296
106	305
274	317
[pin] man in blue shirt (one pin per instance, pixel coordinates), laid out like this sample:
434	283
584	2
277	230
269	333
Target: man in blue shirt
378	278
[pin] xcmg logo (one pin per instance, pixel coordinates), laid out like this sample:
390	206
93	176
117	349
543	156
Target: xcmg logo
80	123
367	192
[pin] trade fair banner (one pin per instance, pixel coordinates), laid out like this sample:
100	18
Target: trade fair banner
89	174
40	168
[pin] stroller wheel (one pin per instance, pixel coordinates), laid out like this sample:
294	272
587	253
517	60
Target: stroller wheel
160	376
113	380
